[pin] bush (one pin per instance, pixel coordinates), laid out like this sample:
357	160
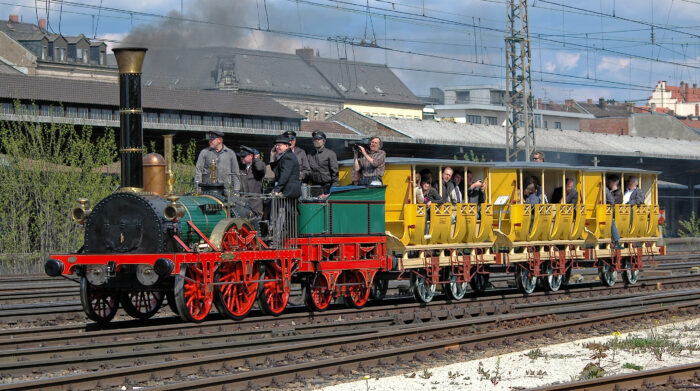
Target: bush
45	168
689	228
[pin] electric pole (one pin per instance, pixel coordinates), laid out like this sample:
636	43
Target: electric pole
520	118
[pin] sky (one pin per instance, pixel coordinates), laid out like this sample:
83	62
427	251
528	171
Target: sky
614	49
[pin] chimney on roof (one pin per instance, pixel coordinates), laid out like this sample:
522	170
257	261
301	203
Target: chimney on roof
569	102
589	101
14	18
601	103
682	84
695	87
697	109
306	53
42	23
686	88
539	103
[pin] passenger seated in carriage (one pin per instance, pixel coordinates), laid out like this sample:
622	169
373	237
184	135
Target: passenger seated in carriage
428	195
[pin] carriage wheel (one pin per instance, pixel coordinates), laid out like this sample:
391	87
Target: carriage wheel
100	305
272	298
479	282
525	282
550	281
378	290
141	303
607	275
454	290
629	276
423	291
318	296
356	295
192	300
235	300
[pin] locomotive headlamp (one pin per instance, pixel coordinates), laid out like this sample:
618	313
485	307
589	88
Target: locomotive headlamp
81	212
96	274
146	275
174	211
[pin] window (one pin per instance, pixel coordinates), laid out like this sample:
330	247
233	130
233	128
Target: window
491	120
107	114
546	125
83	112
266	124
85	56
257	124
228	122
71	112
237	123
557	125
186	119
248	123
473	119
95	113
462	97
7	108
45	110
196	120
216	121
78	54
151	117
60	54
44	52
276	125
498	98
58	111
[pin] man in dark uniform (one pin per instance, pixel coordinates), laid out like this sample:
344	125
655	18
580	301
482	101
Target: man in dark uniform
224	162
286	169
252	173
323	163
304	169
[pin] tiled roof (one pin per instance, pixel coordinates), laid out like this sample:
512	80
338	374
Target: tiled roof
686	95
692	122
107	94
606	110
257	71
20	27
327	127
277	73
363	81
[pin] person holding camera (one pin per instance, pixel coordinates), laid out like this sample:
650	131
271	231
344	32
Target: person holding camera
323	163
475	190
371	164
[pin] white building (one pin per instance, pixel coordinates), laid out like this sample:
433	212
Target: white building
683	100
486	105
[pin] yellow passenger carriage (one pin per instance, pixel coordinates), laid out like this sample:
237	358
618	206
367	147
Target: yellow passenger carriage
455	244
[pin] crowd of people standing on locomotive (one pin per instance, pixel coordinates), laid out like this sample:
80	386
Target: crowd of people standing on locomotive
218	165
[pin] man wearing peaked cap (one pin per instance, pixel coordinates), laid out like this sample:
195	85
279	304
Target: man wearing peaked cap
252	174
304	170
323	163
223	159
286	169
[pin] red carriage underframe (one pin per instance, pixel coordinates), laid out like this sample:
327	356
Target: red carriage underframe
241	269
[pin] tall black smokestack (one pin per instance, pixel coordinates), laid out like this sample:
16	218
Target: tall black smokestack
129	61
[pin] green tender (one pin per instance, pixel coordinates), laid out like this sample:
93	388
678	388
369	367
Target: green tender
355	211
204	221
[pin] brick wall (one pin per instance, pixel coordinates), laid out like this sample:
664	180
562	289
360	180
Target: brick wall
606	125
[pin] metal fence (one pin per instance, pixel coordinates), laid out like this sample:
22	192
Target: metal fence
283	222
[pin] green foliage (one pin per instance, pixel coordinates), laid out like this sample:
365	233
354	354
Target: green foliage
486	374
657	344
471	156
183	167
44	169
534	354
690	227
629	365
591	371
426	374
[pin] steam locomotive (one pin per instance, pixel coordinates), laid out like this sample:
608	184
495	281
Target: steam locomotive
144	244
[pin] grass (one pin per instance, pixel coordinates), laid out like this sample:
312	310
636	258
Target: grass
629	365
534	354
658	344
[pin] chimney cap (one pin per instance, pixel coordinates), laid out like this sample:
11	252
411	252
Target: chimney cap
14	18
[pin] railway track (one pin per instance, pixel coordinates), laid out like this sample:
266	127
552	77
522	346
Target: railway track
61	304
237	361
680	377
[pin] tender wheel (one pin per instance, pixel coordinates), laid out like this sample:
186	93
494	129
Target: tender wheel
272	297
525	282
142	304
318	297
379	288
453	289
423	291
551	282
607	275
479	282
629	276
100	305
235	300
192	300
357	292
